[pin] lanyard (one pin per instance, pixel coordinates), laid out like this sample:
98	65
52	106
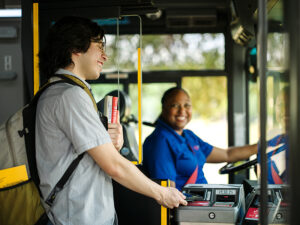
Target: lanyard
194	175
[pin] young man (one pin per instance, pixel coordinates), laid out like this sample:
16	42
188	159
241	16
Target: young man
68	125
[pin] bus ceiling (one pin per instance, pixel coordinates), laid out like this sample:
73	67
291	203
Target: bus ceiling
167	16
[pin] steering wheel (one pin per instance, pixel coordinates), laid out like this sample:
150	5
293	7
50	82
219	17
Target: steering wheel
230	168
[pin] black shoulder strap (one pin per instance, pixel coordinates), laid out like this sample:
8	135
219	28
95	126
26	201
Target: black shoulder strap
29	118
61	183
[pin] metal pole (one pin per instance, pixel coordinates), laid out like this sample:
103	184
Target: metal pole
292	20
262	62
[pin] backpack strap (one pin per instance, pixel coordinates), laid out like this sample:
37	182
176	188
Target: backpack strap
77	81
61	183
29	118
30	112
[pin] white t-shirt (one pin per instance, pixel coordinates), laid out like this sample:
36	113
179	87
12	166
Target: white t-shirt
66	126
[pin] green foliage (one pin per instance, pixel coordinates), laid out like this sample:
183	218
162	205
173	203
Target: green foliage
100	90
151	96
166	52
276	50
208	96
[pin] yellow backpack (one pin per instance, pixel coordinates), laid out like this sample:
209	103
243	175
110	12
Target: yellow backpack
20	200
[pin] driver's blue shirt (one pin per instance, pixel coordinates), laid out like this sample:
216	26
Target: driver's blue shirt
167	155
277	171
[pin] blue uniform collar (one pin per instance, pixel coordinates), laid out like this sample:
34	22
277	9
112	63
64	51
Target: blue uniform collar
163	125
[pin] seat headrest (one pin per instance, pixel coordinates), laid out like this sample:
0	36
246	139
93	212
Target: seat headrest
124	103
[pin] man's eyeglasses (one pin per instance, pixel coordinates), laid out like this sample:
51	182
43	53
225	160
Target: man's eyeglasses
100	43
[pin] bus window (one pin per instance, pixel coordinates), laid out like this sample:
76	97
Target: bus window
272	130
100	90
183	52
277	45
151	105
209	122
276	84
254	109
122	52
166	52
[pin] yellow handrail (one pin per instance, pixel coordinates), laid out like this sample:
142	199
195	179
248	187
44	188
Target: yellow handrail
36	73
163	210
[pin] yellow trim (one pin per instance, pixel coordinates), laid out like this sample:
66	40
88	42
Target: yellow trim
12	176
163	210
36	72
140	103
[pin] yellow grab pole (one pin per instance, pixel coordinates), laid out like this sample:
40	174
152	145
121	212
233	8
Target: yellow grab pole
36	73
163	210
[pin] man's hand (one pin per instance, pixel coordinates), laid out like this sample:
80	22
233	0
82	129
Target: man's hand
115	132
124	172
172	198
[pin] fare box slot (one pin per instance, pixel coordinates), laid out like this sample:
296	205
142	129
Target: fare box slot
212	204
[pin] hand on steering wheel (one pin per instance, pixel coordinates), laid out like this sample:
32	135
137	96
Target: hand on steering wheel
230	168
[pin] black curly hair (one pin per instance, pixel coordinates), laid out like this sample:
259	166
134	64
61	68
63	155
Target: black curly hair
68	35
